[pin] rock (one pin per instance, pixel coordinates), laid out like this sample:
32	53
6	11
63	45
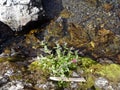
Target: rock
45	86
17	13
74	86
3	80
5	32
101	82
74	74
118	86
14	85
93	14
9	72
52	7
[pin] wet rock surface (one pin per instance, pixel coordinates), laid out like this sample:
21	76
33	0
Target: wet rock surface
90	26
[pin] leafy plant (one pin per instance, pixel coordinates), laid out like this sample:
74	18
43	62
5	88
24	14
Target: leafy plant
60	63
60	60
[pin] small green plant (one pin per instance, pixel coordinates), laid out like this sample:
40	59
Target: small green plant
60	63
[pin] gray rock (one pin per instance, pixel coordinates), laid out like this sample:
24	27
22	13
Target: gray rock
14	85
74	86
3	80
101	82
74	74
17	13
9	72
91	14
109	88
118	86
45	86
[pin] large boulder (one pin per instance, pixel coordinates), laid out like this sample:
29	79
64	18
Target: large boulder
17	13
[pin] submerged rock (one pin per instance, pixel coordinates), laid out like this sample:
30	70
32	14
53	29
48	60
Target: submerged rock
17	13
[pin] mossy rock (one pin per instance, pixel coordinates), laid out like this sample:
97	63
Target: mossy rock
110	71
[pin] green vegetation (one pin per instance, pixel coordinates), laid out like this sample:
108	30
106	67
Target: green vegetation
110	71
61	61
59	64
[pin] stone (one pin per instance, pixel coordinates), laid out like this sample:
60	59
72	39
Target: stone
17	13
9	72
75	74
3	80
101	82
52	8
14	85
93	13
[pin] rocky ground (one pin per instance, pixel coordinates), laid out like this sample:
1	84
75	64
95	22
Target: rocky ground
95	14
90	26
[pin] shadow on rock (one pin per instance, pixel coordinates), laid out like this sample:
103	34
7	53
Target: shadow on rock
52	8
8	37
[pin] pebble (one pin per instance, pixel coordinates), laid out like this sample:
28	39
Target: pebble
101	82
14	85
9	72
3	80
75	74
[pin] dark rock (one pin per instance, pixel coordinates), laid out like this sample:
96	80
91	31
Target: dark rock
52	7
5	34
3	80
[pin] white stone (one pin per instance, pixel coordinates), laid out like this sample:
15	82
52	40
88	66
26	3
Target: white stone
101	82
21	1
2	2
17	13
18	86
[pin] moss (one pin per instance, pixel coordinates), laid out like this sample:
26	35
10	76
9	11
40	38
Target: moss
87	62
110	71
89	83
93	70
39	68
4	59
34	66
